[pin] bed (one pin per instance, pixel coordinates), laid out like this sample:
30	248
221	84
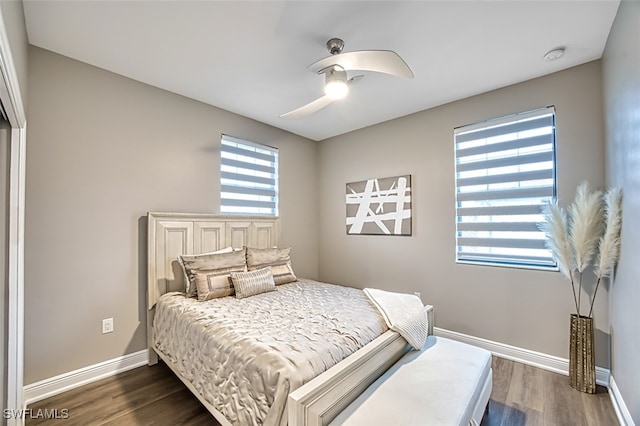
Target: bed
308	381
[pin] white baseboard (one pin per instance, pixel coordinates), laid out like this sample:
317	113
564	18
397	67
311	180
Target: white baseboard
624	416
55	385
525	356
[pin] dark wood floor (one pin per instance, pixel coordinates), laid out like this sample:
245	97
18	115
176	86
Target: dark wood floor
522	395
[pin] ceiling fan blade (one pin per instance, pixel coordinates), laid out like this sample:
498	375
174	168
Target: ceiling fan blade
309	108
318	104
384	61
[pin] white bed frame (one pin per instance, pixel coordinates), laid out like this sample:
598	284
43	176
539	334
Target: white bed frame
318	401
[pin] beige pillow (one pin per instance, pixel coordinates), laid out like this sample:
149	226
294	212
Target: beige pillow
213	284
221	263
277	258
251	283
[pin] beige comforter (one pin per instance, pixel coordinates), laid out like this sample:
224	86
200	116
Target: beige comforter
244	356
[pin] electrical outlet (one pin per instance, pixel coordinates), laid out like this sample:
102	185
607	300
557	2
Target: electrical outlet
107	325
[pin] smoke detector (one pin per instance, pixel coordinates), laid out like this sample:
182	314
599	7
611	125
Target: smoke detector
554	54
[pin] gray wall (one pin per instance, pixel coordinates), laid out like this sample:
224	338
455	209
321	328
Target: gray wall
621	82
13	17
102	151
525	308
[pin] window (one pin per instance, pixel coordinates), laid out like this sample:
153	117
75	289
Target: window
505	173
248	177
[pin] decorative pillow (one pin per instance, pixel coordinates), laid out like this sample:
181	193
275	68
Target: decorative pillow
191	290
184	272
213	284
251	283
222	262
277	258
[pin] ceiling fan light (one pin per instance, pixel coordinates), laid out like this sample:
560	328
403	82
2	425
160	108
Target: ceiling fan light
336	89
335	82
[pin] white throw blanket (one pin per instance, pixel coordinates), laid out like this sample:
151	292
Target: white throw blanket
403	313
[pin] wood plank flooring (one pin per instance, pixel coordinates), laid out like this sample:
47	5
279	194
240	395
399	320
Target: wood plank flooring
525	395
522	395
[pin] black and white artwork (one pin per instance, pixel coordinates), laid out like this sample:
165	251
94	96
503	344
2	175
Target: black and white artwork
379	206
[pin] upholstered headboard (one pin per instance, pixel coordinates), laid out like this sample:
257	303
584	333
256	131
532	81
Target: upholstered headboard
173	234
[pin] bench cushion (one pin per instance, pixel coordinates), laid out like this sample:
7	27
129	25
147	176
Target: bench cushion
439	385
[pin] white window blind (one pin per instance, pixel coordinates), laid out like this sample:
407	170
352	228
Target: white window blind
248	177
505	173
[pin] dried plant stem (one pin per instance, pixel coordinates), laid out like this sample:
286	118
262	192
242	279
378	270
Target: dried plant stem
579	294
594	295
575	299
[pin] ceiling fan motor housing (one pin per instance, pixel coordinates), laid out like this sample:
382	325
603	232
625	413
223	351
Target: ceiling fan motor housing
335	46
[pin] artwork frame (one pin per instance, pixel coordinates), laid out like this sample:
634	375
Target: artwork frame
379	206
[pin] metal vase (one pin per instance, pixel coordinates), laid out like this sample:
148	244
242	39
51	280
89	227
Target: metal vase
582	363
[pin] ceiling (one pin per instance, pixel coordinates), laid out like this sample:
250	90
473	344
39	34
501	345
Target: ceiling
250	57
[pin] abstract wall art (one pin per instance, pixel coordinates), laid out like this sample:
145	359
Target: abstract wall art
379	206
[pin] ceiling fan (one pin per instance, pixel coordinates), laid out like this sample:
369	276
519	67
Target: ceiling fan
335	69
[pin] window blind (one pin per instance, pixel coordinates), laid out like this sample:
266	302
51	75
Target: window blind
505	173
248	177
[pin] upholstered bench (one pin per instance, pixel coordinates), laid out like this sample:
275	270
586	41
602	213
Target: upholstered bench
446	383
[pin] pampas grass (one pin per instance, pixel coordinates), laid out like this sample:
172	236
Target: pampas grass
586	225
609	244
588	230
556	229
585	229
